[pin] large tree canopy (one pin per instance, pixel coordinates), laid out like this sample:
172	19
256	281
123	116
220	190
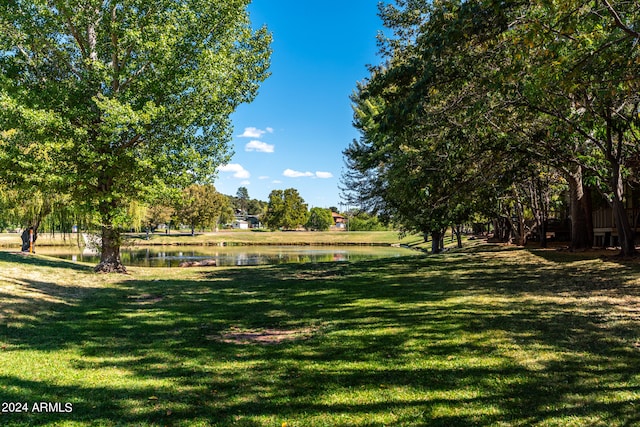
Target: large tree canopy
108	99
484	102
582	71
200	206
286	210
421	116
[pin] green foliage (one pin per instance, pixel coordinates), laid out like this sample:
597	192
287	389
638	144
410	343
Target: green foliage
475	99
136	215
320	219
200	206
243	203
424	146
22	208
158	214
286	210
243	199
106	101
366	222
591	61
227	214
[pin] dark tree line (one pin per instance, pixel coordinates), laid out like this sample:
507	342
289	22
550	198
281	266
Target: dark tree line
497	109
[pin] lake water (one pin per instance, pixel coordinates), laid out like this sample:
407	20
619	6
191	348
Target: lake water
172	256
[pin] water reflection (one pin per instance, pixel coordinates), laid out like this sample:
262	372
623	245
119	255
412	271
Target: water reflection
234	256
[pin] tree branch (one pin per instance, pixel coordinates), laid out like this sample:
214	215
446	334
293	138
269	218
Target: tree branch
115	84
618	21
72	28
132	142
134	75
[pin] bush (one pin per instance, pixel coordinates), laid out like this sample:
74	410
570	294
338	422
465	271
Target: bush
366	222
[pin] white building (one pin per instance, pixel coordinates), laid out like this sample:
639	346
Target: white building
240	224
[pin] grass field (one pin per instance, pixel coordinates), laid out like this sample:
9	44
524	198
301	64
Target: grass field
487	336
277	238
235	237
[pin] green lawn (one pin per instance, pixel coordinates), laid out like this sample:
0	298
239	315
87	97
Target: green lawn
487	336
234	237
13	240
274	238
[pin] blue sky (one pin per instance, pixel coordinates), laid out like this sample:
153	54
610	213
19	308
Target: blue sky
293	134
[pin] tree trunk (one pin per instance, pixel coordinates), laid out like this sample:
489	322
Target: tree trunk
110	257
538	192
587	208
580	207
28	234
520	229
521	234
502	229
436	240
626	236
458	232
41	212
542	227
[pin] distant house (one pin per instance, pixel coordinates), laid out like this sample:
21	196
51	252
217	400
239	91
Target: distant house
605	231
240	224
339	221
254	221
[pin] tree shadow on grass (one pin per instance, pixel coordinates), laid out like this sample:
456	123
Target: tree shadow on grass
37	260
445	340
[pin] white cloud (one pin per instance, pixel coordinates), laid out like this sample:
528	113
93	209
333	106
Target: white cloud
245	183
252	132
263	177
290	173
237	170
276	182
259	146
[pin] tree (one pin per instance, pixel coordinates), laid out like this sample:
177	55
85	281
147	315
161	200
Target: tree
27	168
243	199
363	221
227	214
482	100
582	72
111	99
157	214
247	206
420	156
256	207
200	206
320	219
33	209
286	210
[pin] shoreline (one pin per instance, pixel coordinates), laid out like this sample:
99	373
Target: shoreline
232	238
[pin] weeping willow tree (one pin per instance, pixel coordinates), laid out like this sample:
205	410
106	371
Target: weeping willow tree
137	212
32	209
7	220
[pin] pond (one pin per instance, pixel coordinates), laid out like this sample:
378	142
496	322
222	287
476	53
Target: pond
172	256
